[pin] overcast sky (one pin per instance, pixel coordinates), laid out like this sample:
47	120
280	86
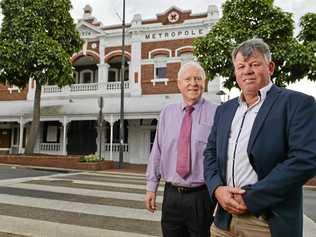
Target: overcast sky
106	10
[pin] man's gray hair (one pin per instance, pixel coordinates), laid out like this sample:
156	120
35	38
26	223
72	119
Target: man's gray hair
192	64
249	47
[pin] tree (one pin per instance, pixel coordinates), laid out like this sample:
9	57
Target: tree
308	37
37	39
246	19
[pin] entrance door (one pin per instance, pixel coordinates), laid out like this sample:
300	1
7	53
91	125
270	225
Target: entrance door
5	138
82	138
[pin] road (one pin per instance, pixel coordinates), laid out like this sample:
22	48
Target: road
81	204
310	203
86	204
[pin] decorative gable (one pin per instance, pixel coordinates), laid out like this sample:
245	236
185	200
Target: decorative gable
87	30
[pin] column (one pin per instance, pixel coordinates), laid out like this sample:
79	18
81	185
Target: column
103	72
65	122
111	137
21	135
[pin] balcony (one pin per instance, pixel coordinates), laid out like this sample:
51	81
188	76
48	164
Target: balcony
84	89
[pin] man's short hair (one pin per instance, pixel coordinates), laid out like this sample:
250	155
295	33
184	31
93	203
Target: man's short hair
192	64
249	47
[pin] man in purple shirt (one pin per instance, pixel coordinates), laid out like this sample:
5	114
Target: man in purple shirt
186	209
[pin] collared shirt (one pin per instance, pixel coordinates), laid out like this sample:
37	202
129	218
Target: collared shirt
239	170
164	153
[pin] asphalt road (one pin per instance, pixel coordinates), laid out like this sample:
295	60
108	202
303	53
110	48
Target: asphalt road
310	203
13	172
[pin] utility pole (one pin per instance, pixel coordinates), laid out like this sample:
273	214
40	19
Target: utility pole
122	92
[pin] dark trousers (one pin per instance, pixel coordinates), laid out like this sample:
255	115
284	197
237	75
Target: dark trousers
186	213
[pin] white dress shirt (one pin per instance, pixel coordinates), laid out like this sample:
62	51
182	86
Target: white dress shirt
239	169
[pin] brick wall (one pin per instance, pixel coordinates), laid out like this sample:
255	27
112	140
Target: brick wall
169	44
15	95
147	74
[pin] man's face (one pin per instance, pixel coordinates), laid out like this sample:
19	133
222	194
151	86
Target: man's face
252	73
191	85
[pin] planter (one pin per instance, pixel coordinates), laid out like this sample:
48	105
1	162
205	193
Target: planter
65	162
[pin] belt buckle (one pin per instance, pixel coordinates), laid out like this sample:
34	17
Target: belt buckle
180	189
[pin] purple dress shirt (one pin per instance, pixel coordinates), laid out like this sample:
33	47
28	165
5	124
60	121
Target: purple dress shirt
163	158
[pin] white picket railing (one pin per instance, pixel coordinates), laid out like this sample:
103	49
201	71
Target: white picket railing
107	87
50	146
115	147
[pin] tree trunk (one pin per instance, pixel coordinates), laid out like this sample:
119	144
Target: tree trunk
29	148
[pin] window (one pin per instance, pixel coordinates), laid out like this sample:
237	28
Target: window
161	72
86	76
51	132
113	75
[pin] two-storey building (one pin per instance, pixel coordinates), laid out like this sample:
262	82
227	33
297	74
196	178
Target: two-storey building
155	49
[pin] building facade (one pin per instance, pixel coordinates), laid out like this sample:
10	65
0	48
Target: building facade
70	116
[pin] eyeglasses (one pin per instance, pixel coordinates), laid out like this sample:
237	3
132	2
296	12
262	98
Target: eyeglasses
192	79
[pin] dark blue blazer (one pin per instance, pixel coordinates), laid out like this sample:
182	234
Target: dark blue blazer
282	151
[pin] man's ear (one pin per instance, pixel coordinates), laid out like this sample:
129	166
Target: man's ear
179	84
271	67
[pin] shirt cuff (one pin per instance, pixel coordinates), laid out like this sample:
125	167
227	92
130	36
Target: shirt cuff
152	186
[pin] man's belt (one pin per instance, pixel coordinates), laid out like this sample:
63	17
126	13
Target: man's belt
182	189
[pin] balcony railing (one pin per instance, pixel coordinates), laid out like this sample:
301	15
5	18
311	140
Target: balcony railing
115	147
48	147
84	88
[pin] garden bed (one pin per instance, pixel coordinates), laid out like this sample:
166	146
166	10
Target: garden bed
65	162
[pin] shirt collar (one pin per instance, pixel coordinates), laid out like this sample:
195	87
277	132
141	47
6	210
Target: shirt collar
262	93
195	106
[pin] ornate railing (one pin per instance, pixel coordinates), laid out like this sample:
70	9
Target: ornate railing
50	146
107	87
115	147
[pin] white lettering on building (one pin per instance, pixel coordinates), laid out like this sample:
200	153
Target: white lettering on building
174	34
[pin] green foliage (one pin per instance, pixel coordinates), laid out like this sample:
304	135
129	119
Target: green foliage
308	37
37	39
90	158
246	19
308	27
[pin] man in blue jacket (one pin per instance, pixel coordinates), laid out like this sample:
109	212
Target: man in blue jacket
261	150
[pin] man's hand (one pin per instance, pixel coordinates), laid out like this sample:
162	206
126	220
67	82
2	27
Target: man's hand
240	200
225	196
150	201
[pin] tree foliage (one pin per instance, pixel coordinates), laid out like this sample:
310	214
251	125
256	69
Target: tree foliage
246	19
308	38
37	39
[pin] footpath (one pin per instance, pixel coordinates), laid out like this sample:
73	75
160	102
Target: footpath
309	225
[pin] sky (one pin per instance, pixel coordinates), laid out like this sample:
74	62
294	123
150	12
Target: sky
109	12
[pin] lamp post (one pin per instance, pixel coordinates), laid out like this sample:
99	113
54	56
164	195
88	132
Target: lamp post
122	92
100	123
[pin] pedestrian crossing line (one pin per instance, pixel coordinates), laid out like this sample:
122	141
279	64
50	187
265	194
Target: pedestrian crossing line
125	180
117	174
92	185
86	192
93	209
71	197
26	179
38	228
129	174
6	234
105	179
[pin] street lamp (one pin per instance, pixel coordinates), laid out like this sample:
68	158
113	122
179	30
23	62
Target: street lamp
100	124
122	92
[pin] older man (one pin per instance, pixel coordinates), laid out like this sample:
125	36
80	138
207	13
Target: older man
177	157
261	151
